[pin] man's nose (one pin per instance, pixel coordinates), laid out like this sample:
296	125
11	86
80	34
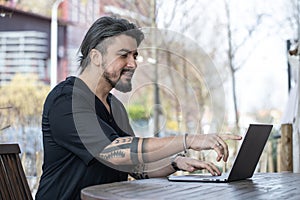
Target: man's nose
131	62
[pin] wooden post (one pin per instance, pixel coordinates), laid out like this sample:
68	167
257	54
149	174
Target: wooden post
263	162
278	155
270	157
286	148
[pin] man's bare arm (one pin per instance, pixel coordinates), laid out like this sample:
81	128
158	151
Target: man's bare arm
139	152
134	150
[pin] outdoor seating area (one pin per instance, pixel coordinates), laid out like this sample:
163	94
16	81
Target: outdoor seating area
112	99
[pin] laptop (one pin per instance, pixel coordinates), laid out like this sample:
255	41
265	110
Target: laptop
245	162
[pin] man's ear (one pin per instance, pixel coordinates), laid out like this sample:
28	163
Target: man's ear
96	57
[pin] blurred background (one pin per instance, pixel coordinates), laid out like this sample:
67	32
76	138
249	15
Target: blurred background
205	66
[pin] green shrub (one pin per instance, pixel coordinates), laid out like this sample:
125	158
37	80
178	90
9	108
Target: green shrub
137	112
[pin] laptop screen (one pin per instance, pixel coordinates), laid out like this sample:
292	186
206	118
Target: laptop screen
250	151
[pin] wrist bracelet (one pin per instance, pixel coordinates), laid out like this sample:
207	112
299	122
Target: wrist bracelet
174	164
184	143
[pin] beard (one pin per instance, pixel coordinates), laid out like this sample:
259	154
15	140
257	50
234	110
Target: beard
120	85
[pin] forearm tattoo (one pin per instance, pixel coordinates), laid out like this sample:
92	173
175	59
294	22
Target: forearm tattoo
113	152
134	151
117	149
128	151
144	152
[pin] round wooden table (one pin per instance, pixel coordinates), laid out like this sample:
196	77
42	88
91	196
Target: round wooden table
260	186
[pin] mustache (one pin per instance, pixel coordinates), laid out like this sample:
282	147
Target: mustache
127	70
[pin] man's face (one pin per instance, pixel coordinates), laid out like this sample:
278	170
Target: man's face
119	62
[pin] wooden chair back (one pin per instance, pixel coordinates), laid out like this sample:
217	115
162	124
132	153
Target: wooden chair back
13	182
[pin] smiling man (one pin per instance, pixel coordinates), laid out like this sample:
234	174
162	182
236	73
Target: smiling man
87	137
118	67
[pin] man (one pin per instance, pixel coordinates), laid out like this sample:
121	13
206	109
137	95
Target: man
86	132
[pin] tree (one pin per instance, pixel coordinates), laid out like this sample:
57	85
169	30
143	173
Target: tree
25	94
235	61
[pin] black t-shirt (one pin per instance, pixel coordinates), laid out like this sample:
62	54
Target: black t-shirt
76	128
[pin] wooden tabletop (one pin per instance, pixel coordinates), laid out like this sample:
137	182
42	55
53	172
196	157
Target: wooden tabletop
260	186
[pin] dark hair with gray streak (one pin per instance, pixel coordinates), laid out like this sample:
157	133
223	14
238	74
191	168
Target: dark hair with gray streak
103	28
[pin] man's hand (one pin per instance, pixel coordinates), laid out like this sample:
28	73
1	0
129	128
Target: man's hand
191	165
212	141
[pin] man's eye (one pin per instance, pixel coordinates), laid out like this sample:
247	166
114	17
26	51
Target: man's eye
124	55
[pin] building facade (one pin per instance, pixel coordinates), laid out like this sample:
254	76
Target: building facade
25	45
25	33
